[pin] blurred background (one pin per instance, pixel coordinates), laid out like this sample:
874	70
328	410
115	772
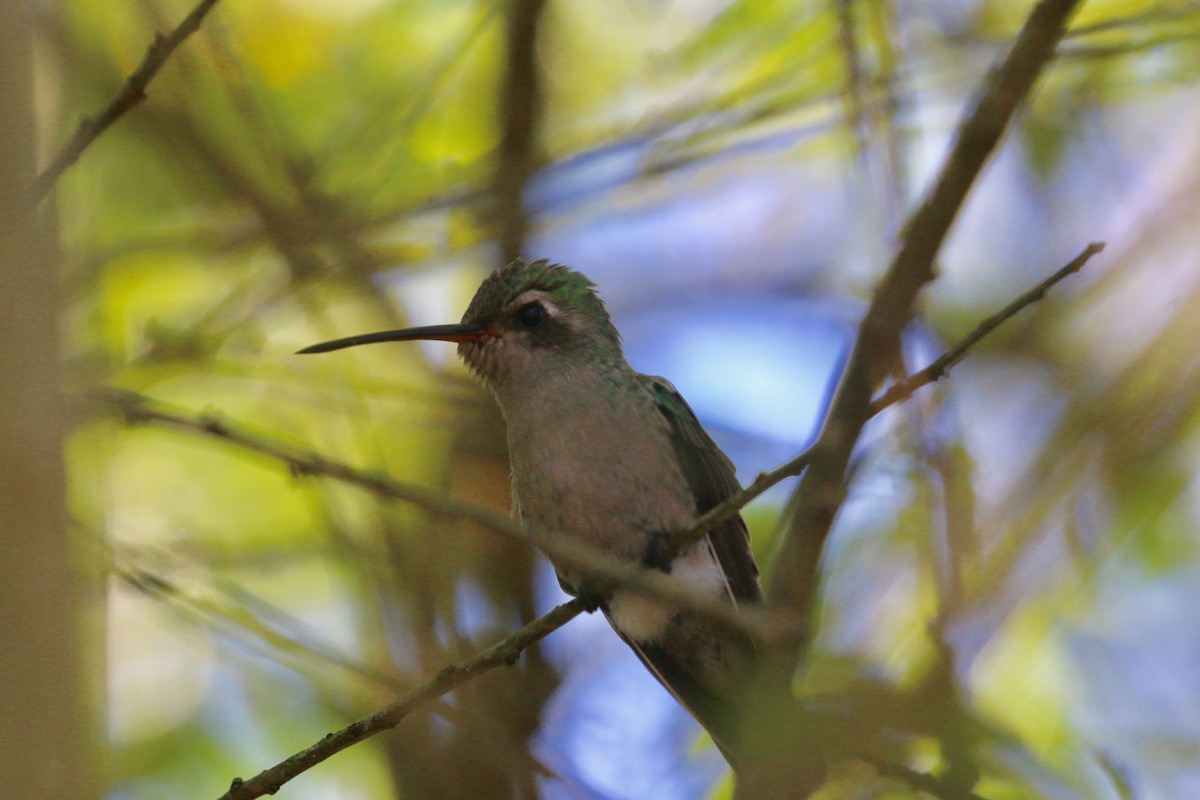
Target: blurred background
733	175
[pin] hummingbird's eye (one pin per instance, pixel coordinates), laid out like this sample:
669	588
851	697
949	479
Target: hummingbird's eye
532	314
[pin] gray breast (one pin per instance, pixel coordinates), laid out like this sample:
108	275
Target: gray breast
597	467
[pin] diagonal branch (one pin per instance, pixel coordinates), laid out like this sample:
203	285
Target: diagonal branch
504	652
876	349
896	394
132	92
137	409
901	391
754	621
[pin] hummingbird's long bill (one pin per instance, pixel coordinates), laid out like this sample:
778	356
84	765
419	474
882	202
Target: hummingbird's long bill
465	332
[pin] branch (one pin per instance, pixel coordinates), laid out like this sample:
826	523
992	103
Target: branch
904	389
756	622
211	610
504	652
520	124
876	349
896	394
132	92
137	409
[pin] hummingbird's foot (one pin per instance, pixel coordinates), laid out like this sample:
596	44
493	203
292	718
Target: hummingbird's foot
591	597
657	552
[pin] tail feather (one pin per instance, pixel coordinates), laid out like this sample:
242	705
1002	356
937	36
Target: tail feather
712	712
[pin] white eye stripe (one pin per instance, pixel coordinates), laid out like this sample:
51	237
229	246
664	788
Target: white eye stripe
535	296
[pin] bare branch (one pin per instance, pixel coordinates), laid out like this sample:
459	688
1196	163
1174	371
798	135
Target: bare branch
206	609
896	394
520	123
504	652
904	389
132	92
137	409
876	349
757	622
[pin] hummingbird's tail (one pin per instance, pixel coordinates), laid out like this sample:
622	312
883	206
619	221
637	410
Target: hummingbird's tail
715	715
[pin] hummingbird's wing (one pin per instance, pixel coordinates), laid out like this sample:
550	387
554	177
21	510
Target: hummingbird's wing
710	474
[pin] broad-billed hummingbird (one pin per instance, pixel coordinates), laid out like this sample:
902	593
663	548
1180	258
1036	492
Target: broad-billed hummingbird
613	458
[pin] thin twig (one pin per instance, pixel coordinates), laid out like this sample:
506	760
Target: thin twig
281	633
875	354
504	652
755	621
901	391
795	577
132	92
896	394
137	409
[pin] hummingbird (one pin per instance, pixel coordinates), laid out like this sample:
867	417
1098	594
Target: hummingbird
612	458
